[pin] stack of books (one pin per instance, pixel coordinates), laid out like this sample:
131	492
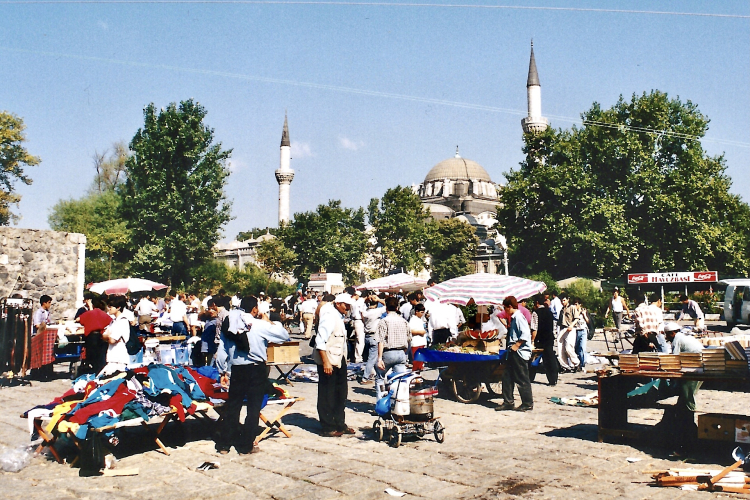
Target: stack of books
691	361
628	362
736	366
714	360
670	362
648	361
747	355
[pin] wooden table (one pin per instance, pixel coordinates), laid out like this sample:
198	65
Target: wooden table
613	396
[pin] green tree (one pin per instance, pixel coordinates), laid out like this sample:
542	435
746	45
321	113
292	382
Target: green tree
547	279
173	197
275	258
331	238
632	189
107	235
13	159
452	245
251	280
400	224
110	167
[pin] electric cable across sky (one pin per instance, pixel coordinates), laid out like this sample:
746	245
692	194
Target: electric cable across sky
371	93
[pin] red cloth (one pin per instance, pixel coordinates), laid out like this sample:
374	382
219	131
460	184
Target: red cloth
94	320
122	396
207	385
43	348
176	403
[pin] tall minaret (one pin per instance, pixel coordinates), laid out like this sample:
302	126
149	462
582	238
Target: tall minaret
535	122
284	175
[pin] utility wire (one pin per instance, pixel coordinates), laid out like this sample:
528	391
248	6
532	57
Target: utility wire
372	93
380	4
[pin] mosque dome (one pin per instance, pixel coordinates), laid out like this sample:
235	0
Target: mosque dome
457	169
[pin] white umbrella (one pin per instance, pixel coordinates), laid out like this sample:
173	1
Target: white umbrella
394	283
484	288
124	285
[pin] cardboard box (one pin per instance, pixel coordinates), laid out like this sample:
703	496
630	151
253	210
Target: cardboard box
721	427
283	354
742	430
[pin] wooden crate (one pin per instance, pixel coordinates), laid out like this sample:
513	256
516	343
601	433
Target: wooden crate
283	354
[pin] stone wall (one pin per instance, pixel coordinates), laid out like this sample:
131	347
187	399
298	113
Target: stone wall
37	262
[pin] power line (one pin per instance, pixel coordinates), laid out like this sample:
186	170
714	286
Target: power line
382	4
372	93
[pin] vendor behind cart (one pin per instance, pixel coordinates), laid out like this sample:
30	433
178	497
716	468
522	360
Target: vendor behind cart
679	421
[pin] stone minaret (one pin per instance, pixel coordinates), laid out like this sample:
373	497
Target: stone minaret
284	175
535	122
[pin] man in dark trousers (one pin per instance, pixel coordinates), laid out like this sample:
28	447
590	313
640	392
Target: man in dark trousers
246	359
517	359
543	336
330	356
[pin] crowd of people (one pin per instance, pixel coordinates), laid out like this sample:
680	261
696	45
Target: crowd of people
383	331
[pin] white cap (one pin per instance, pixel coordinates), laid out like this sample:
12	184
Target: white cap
672	327
344	298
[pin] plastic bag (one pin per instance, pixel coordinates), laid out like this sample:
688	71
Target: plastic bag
14	459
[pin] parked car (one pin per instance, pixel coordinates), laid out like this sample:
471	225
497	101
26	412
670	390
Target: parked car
737	301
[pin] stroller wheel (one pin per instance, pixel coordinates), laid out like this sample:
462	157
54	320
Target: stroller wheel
377	427
439	432
395	438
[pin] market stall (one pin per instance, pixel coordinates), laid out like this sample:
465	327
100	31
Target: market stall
465	373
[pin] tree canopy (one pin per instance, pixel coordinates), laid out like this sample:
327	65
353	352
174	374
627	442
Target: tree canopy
451	244
173	197
13	159
331	238
400	224
631	190
107	235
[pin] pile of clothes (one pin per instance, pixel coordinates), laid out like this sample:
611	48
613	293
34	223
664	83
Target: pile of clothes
154	390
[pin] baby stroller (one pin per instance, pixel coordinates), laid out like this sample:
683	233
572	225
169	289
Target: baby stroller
407	408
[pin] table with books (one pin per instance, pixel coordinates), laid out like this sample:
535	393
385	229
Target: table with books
720	367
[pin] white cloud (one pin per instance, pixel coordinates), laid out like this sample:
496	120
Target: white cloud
301	150
346	143
235	165
102	25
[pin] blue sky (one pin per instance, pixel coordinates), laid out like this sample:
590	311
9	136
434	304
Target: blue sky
80	74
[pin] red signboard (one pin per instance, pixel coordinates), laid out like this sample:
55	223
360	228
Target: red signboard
689	277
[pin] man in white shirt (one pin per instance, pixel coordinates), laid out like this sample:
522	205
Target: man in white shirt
357	308
408	307
418	334
307	314
441	317
178	315
145	309
264	304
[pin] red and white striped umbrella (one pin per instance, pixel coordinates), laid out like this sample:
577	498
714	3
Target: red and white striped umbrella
484	288
394	283
124	285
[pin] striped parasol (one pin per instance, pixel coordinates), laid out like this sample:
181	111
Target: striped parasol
485	289
124	285
394	283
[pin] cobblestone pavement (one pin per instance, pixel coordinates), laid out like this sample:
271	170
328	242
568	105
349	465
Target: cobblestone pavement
551	452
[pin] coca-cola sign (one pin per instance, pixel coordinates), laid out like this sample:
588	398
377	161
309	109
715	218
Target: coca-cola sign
688	277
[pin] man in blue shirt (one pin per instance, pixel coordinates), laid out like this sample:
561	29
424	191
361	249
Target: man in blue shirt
517	359
249	376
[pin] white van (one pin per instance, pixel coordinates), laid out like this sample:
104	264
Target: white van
737	301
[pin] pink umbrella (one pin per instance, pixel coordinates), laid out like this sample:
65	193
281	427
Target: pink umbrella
485	289
394	283
124	285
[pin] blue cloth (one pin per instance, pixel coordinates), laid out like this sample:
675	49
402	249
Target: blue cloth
209	335
210	372
431	356
163	379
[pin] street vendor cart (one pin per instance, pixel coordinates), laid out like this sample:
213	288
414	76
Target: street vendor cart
465	373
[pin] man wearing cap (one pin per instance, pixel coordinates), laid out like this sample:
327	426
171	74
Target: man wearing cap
680	419
617	305
330	356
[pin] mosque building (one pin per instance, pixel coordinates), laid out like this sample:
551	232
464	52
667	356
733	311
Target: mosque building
462	188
